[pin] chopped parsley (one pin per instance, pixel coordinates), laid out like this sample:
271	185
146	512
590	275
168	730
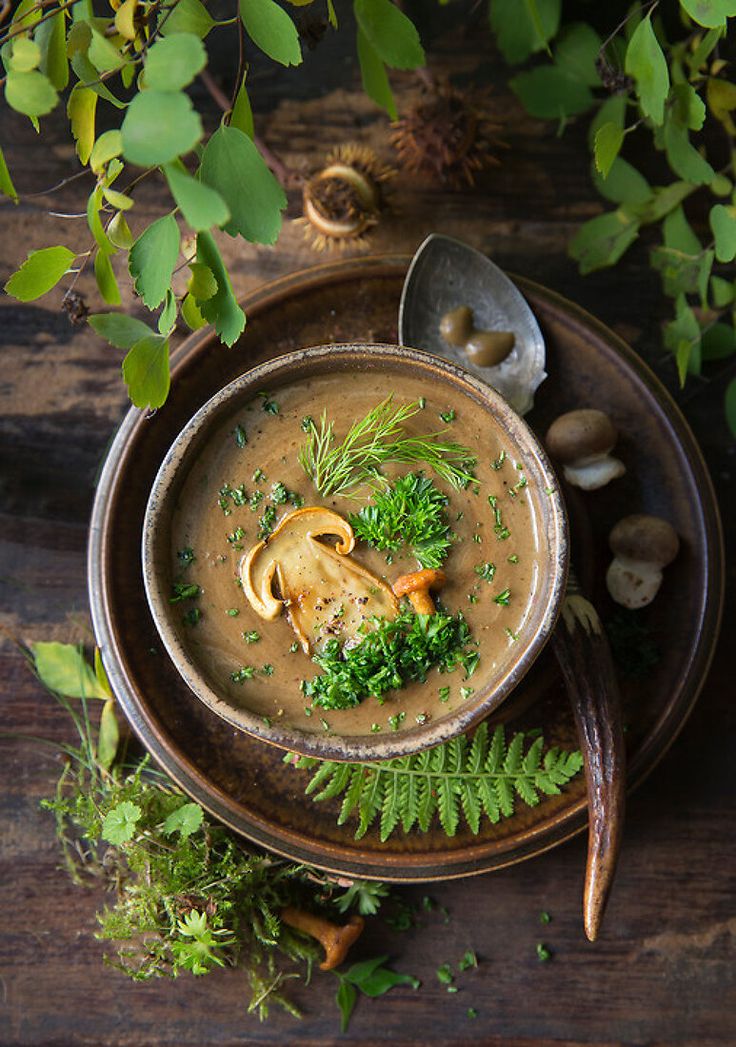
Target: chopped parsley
544	917
498	462
396	721
246	672
422	402
512	559
255	500
183	591
294	647
392	653
465	692
448	416
240	436
503	598
279	494
186	556
444	693
232	612
266	522
543	953
486	571
444	974
469	960
251	636
236	537
269	406
410	512
258	475
192	617
502	532
267	670
511	635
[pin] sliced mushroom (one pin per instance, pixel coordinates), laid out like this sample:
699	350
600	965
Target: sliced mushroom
583	440
418	586
324	591
642	546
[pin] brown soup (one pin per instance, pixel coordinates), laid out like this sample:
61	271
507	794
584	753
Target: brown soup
258	665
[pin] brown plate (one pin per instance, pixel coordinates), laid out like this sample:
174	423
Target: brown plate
242	780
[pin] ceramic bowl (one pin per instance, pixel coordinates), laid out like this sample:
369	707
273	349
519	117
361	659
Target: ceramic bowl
205	652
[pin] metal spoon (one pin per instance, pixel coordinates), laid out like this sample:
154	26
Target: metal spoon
443	275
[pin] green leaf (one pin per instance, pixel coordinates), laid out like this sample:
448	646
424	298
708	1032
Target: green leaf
188	16
345	999
662	201
688	107
612	111
105	277
191	315
382	979
27	14
81	109
648	65
682	273
518	32
89	77
202	283
271	29
119	200
185	820
576	52
167	319
718	342
108	737
107	146
390	33
607	145
146	371
103	54
118	232
25	55
624	184
682	157
722	292
152	259
159	126
723	223
548	93
708	13
221	309
232	165
601	241
730	405
201	206
62	668
174	62
118	329
30	93
374	77
51	38
94	203
242	114
6	182
678	233
41	271
120	823
682	336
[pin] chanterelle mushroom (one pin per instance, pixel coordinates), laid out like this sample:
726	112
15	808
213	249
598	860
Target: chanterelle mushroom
325	592
642	545
583	440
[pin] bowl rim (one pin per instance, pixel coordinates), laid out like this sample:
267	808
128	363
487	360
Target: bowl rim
331	745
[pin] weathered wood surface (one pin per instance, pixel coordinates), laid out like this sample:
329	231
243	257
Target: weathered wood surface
663	970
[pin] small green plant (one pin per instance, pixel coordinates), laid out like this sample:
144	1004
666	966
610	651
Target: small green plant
661	71
458	779
130	63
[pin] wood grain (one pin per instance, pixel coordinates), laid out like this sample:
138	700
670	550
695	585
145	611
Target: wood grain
662	971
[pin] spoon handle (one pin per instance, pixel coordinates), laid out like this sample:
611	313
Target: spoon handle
584	656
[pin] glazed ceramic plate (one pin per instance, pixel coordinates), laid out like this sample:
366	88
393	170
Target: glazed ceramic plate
242	780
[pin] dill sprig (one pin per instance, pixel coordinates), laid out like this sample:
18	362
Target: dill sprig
375	440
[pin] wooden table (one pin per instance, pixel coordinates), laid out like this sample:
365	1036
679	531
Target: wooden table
663	971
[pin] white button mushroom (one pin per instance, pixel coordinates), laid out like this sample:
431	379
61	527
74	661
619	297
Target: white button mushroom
642	546
582	440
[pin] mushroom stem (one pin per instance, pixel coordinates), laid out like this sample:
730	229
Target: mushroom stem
584	656
417	587
335	938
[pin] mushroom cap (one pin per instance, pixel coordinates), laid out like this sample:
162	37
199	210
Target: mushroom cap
648	539
419	581
581	434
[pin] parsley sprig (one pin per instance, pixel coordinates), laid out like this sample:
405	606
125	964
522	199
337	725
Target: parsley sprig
410	512
393	653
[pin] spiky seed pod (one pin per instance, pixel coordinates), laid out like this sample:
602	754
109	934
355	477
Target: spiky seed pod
344	200
446	135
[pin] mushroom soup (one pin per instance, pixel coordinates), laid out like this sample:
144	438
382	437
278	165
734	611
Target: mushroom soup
269	575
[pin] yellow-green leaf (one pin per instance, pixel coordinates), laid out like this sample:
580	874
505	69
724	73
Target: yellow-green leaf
81	109
25	55
107	146
125	19
41	271
119	232
62	668
51	38
648	65
101	674
30	93
721	98
94	203
6	182
108	737
189	16
106	282
146	372
202	283
607	145
103	55
723	223
119	200
191	315
159	126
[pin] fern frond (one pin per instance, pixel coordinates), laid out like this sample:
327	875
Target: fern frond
459	779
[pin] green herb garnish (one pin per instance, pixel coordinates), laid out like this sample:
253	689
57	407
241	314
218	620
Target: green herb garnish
267	670
236	537
444	693
444	974
391	654
269	406
183	591
232	612
543	953
468	960
258	475
544	917
266	522
246	672
396	720
241	438
486	571
251	636
503	598
193	616
448	416
186	556
498	462
411	512
378	438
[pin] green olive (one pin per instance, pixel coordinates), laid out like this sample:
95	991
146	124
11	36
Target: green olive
488	348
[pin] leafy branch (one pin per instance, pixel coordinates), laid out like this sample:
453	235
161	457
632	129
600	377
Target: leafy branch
661	70
460	779
139	60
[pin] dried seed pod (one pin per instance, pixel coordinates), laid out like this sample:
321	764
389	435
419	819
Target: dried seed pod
446	134
344	200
